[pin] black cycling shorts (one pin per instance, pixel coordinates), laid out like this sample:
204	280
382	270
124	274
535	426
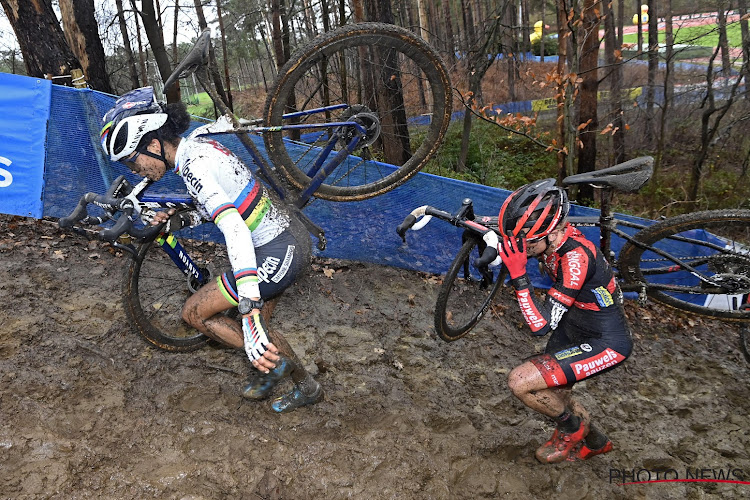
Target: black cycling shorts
280	262
574	352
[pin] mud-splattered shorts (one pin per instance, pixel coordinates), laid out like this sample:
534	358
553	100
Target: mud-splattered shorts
573	354
280	262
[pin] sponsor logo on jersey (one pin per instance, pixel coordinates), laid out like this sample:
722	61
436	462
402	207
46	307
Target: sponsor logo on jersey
131	104
594	364
586	347
529	311
550	369
284	265
603	297
573	274
556	314
267	268
191	180
568	353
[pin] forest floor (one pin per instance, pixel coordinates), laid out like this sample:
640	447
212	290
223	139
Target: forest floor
90	410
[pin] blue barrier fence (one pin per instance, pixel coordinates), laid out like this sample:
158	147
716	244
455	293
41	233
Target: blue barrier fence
75	164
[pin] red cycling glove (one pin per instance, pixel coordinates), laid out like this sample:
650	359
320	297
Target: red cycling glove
513	254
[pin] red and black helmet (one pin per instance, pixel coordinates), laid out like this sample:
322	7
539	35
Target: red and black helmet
534	210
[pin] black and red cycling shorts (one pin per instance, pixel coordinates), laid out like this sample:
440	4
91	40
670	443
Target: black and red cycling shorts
574	352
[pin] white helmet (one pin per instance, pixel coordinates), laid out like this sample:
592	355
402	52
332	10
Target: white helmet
134	115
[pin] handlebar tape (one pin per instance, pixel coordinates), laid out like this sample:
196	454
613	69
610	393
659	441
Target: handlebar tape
489	254
404	226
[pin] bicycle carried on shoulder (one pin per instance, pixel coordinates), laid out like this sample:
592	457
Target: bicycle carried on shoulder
342	90
698	262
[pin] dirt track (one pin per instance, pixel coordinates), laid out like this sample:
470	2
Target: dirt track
89	410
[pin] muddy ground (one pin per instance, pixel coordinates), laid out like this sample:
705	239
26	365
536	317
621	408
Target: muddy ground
89	410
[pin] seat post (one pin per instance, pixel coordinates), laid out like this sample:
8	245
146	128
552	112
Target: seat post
606	220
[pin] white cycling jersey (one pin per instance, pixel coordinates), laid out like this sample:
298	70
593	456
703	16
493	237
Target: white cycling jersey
226	192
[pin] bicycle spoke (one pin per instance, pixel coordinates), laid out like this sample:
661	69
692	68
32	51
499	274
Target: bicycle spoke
701	262
388	76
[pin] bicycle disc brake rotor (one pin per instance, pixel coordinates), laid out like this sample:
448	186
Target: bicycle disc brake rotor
194	284
364	117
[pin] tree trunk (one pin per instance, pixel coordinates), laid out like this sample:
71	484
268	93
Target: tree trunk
175	52
395	134
212	66
614	62
141	51
82	34
151	26
449	36
510	44
132	69
526	28
640	25
43	46
726	64
653	66
276	37
742	7
588	119
226	58
422	8
544	33
668	90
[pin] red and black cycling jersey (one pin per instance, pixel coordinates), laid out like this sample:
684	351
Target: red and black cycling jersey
582	279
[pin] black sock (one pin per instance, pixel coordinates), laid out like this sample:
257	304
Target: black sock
568	422
595	439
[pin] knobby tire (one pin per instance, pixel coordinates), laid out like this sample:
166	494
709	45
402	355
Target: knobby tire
155	291
728	228
463	300
327	72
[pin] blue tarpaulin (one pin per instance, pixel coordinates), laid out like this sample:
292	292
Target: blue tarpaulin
24	111
75	164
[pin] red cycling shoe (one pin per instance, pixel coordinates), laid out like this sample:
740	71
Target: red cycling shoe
583	452
558	448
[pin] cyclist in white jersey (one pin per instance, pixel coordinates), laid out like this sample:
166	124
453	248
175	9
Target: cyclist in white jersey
268	248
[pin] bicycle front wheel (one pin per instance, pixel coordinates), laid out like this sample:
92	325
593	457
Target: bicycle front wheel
466	292
155	290
379	75
716	243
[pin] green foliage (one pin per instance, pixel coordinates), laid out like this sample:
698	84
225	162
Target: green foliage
200	105
550	46
496	158
706	35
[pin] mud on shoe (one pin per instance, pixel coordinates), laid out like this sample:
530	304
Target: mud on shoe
296	398
262	385
559	447
583	452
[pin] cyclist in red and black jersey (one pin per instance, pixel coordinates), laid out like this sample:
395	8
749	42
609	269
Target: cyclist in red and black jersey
583	310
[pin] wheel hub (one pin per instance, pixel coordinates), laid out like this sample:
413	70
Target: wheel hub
366	119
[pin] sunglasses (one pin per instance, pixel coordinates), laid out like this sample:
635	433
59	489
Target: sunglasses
132	159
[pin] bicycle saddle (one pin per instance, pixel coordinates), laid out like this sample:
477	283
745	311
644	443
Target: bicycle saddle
197	57
629	176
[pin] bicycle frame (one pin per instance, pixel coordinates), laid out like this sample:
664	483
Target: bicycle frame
608	226
320	170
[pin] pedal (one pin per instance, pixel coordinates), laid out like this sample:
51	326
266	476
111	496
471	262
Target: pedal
642	297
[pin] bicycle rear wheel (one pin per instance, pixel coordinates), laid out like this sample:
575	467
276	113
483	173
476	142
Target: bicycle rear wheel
716	243
378	70
466	293
155	290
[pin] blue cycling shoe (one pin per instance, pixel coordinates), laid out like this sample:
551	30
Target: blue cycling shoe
262	385
297	398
